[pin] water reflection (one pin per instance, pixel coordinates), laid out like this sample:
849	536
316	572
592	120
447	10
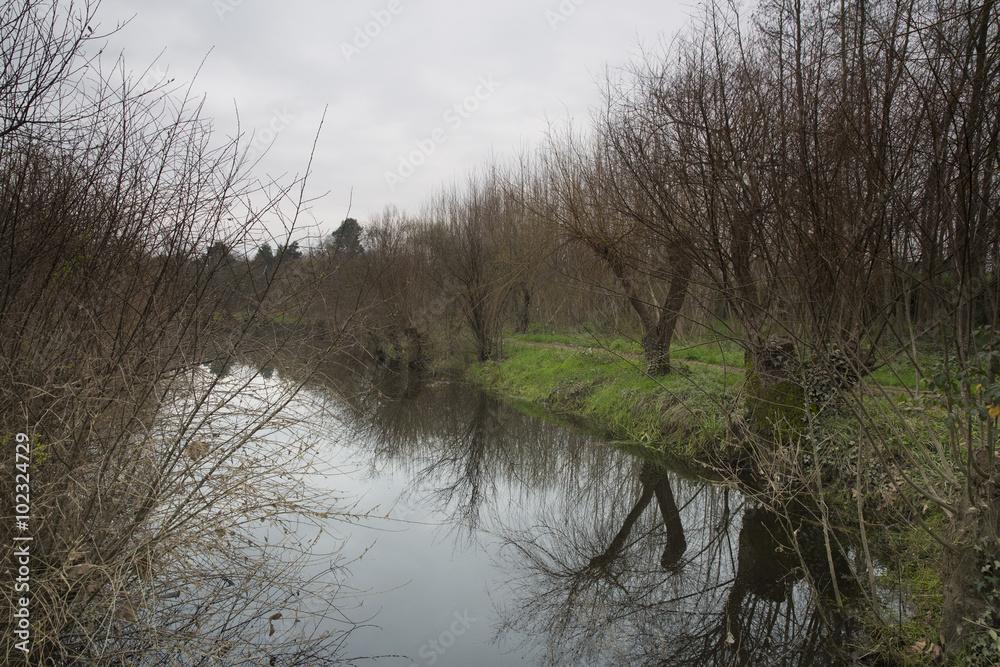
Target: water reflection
656	482
627	596
592	570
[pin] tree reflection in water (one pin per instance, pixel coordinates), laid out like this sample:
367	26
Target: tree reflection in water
596	575
697	585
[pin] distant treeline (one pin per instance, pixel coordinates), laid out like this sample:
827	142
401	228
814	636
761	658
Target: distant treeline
822	172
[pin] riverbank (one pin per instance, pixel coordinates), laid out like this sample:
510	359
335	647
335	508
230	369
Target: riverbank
695	415
687	413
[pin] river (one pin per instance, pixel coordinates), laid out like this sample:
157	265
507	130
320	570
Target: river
492	537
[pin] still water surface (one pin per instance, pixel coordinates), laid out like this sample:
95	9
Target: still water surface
496	538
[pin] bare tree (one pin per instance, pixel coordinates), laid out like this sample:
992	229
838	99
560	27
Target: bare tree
471	228
153	480
571	194
43	46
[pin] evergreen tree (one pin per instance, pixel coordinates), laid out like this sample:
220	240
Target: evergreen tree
346	239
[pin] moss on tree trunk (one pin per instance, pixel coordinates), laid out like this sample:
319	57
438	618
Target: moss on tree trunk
775	399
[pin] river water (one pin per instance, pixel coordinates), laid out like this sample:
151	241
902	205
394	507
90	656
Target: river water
497	538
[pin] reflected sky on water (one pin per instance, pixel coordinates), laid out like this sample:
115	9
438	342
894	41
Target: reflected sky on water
497	538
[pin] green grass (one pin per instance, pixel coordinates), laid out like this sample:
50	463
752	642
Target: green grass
899	374
912	561
682	413
719	352
620	344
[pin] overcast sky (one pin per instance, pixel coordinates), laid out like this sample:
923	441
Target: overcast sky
418	91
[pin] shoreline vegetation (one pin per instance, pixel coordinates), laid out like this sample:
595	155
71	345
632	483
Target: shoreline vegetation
694	420
783	225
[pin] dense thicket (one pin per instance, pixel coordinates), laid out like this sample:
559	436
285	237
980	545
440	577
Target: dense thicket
135	468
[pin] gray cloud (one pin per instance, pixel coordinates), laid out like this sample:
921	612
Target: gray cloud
391	72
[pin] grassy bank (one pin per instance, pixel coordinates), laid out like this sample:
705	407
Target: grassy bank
687	412
897	374
692	415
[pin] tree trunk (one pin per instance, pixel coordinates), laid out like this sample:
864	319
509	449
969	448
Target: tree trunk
525	311
415	348
656	353
959	570
657	338
968	575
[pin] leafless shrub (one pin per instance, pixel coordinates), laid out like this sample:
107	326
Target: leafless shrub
124	273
